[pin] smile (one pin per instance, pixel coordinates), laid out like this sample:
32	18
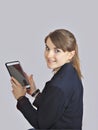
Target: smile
51	61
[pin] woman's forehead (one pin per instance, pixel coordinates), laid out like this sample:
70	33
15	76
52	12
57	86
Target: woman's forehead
50	44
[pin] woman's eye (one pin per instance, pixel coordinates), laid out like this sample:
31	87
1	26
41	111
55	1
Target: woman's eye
57	50
47	49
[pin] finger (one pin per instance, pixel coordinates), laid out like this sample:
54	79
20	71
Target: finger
13	84
27	76
13	91
31	77
15	81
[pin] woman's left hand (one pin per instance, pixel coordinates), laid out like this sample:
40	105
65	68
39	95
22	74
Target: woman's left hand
18	89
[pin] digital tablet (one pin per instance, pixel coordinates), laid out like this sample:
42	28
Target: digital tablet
15	70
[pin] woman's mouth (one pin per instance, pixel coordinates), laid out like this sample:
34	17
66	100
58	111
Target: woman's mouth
51	61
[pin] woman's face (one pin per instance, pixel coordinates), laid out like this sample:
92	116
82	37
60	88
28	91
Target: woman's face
54	56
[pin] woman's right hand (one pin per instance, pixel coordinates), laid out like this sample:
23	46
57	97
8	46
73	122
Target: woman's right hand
32	84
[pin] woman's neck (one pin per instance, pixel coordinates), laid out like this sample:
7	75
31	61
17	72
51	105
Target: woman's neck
56	70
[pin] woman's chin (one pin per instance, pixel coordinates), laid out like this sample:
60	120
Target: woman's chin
50	67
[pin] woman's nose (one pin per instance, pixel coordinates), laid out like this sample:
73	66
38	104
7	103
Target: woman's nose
50	54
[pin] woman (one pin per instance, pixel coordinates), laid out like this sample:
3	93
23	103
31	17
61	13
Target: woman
60	105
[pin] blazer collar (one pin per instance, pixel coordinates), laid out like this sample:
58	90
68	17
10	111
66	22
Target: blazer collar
62	70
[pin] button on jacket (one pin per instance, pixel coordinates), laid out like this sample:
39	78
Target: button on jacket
60	105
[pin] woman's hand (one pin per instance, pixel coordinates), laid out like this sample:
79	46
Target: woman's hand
18	89
32	84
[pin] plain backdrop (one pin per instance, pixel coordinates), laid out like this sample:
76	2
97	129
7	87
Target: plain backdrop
23	27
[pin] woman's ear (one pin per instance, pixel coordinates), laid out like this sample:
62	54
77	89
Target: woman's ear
71	54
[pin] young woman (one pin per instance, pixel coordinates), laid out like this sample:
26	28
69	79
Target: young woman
60	104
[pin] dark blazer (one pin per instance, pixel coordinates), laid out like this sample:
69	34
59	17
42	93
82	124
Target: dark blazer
60	105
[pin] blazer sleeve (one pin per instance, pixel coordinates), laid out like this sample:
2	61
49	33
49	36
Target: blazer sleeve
29	112
52	105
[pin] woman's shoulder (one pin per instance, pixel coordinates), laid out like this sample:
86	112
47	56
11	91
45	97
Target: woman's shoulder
66	78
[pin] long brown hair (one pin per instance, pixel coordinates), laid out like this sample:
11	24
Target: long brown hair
66	41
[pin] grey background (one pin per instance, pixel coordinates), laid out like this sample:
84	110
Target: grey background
23	26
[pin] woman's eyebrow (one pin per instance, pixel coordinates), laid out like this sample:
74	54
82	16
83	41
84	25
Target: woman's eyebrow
53	47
